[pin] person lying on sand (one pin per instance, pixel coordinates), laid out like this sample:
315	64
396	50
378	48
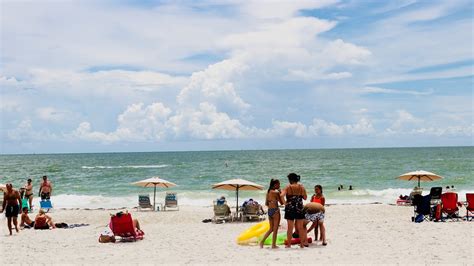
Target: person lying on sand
43	221
25	221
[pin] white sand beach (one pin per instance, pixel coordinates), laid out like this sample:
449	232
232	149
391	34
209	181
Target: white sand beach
368	234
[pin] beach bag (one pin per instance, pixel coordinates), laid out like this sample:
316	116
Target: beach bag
419	218
107	236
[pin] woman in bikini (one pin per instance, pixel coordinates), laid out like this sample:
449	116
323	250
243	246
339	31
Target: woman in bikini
295	194
29	192
11	205
272	200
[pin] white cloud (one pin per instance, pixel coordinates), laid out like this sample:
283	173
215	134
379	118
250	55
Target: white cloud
214	85
273	9
377	90
51	114
205	123
136	123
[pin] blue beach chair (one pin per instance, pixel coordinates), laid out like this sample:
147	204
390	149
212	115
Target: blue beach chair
46	205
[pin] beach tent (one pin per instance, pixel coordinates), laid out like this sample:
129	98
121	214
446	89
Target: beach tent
237	184
154	182
420	175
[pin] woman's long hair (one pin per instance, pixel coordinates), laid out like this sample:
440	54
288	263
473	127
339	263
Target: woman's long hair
272	185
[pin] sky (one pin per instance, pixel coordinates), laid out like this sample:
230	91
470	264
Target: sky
112	76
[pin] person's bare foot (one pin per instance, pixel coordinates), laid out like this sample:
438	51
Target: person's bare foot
261	244
287	246
275	247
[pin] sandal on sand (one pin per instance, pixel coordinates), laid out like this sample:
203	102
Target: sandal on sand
325	244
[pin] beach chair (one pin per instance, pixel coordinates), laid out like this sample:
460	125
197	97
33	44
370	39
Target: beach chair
144	202
251	212
422	207
46	205
449	205
221	213
435	194
469	206
171	201
121	225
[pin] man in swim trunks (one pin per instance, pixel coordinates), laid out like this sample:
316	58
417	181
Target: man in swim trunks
29	192
25	221
46	189
11	205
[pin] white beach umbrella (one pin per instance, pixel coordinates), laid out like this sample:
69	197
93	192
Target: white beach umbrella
420	175
237	184
154	182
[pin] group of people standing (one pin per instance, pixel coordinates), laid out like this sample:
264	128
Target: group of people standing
297	217
12	201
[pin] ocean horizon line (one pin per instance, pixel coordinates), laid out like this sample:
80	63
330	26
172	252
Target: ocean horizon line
236	150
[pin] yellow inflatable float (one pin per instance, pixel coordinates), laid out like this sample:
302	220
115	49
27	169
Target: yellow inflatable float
253	232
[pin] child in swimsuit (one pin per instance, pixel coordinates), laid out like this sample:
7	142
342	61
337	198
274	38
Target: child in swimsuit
272	200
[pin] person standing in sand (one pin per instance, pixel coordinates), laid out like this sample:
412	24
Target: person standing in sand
272	201
29	192
46	189
317	219
11	205
295	194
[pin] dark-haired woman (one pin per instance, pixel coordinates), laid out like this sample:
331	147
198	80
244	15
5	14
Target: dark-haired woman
295	194
272	201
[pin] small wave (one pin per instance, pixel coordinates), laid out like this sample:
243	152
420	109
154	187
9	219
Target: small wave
125	166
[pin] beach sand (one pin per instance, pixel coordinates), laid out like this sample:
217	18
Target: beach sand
369	234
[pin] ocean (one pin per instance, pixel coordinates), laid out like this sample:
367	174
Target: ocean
103	180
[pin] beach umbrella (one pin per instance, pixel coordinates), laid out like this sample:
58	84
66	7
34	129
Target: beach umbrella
237	184
154	182
420	175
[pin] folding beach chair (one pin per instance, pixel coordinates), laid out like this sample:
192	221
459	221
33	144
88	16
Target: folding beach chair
46	205
469	206
449	205
221	212
121	225
251	212
435	194
144	202
422	208
171	201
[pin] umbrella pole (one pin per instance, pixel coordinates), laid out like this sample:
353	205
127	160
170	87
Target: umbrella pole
237	207
154	199
419	182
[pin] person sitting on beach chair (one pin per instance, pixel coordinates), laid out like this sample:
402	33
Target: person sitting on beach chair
221	211
122	225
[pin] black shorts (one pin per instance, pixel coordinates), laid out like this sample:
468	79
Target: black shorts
12	211
45	195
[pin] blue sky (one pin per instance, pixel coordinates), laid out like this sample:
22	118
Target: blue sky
102	76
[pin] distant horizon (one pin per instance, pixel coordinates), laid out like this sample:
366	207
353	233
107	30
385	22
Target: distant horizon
231	150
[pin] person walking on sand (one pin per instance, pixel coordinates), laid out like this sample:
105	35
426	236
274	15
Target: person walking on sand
317	219
46	189
295	194
29	192
11	205
272	201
